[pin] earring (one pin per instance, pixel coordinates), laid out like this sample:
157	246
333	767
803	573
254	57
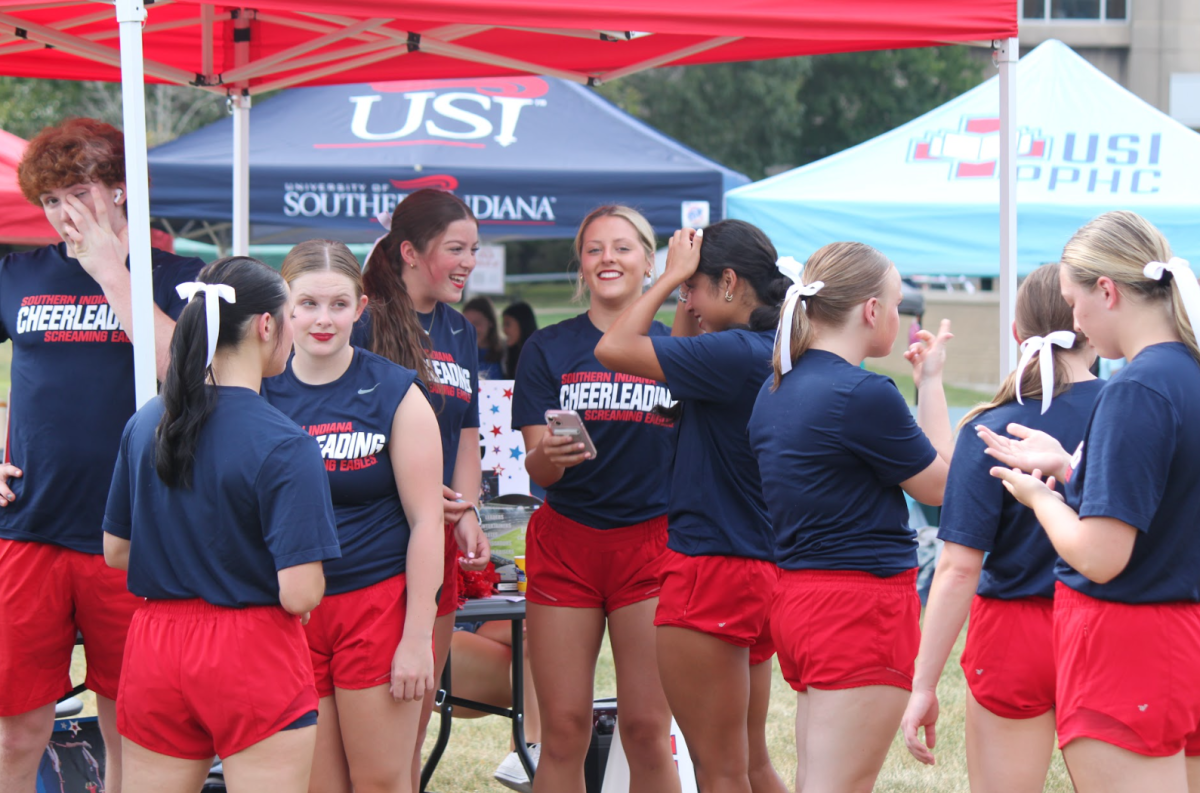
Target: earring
728	297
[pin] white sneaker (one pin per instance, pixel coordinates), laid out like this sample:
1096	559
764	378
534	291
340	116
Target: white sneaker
512	774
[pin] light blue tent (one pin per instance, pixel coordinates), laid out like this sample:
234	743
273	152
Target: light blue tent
927	193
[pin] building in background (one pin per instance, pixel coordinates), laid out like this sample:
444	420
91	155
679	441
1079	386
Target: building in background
1148	46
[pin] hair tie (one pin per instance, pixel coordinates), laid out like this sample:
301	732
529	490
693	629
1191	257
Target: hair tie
1031	347
1189	288
385	220
795	293
213	295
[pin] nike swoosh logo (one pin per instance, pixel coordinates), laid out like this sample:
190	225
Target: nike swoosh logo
454	332
368	390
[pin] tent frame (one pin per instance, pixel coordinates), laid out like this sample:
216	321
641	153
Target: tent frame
359	42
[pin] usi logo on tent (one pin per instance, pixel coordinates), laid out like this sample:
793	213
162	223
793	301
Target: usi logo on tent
532	210
444	112
974	150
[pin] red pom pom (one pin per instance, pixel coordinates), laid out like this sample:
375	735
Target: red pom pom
475	584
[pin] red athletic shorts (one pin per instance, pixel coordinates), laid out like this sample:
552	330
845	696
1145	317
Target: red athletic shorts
728	597
353	636
47	593
1009	656
202	680
572	565
1128	675
840	629
448	594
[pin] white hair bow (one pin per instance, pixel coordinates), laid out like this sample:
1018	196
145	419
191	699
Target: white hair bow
1031	347
1189	288
213	295
385	220
795	293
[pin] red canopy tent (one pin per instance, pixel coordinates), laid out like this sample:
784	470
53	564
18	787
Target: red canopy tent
281	43
312	42
21	223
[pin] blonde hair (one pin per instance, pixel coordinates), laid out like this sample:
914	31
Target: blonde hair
852	273
645	233
312	256
1041	310
1119	245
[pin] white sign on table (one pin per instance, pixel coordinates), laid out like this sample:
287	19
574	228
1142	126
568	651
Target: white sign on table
502	449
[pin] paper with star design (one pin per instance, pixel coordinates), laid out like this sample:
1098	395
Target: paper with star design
502	450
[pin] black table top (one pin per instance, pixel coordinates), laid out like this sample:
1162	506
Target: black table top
497	607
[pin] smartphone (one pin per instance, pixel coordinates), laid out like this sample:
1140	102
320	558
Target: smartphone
567	422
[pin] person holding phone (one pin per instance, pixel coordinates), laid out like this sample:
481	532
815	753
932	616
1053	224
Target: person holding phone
592	550
718	574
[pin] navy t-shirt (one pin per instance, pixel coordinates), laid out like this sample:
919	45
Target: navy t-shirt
351	418
259	502
454	360
716	505
72	390
1140	463
627	482
833	444
980	513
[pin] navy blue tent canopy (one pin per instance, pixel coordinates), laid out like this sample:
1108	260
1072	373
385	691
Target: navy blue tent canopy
530	155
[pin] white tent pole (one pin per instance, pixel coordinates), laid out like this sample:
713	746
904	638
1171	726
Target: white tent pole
1007	52
241	174
240	105
130	15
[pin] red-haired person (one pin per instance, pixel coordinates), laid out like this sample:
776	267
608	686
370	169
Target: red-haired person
412	275
593	548
66	309
718	575
998	564
838	449
372	639
1127	599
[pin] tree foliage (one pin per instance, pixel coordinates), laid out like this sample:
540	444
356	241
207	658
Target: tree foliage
766	116
27	106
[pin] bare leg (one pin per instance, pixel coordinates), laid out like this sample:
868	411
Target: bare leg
443	631
714	723
481	672
563	646
801	739
1098	767
330	774
279	764
643	716
23	740
106	719
501	631
763	778
1193	774
848	735
373	724
145	771
1007	755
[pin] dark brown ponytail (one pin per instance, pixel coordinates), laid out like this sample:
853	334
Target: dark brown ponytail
185	392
